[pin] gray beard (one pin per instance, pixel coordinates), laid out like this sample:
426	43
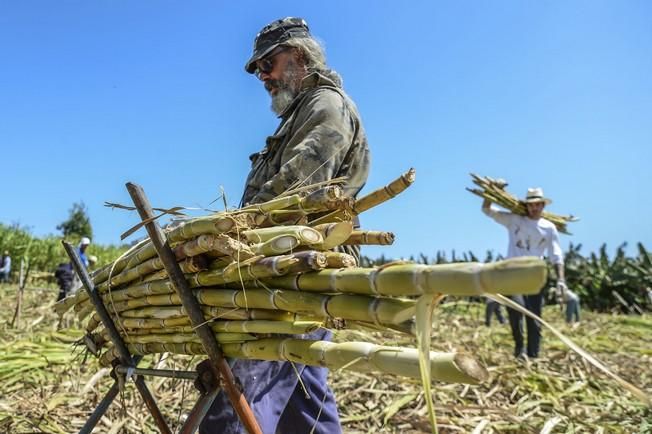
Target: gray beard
288	88
282	100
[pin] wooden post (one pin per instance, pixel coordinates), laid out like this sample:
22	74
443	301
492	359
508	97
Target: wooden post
219	365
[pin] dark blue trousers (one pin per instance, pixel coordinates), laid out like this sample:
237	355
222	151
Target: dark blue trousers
279	403
533	303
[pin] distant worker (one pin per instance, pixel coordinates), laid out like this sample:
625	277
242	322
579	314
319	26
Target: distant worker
84	259
530	235
492	307
65	276
81	250
572	301
5	267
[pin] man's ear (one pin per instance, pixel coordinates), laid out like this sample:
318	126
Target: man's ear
299	56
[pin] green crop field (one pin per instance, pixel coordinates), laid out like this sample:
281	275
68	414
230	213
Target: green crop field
48	385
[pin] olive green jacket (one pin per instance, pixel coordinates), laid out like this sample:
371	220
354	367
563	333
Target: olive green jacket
320	138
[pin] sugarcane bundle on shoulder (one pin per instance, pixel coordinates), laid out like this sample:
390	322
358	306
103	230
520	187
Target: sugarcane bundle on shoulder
266	273
494	190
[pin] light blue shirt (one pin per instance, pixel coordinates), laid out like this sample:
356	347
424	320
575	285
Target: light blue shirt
6	264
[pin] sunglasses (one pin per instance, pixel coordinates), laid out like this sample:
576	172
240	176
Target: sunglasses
266	64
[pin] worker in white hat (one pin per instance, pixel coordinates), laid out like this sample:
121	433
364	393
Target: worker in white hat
530	235
81	250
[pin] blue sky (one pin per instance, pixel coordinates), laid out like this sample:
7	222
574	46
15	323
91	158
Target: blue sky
551	94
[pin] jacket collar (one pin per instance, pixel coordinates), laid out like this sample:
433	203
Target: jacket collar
310	81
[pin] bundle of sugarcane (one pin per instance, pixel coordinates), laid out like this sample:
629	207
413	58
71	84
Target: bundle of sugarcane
266	273
494	190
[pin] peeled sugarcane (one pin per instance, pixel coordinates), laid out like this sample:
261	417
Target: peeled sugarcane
333	234
307	234
354	356
523	275
494	190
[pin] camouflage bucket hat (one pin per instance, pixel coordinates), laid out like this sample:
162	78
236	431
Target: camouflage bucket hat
275	34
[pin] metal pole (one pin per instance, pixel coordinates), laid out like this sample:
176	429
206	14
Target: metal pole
114	335
100	409
198	412
168	373
219	366
96	299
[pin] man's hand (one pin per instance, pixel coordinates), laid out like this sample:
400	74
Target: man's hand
561	290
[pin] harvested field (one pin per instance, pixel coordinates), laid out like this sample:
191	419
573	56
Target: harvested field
46	387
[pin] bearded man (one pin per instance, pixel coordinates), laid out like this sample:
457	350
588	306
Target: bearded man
320	137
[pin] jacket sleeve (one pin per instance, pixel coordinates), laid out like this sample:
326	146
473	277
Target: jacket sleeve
322	135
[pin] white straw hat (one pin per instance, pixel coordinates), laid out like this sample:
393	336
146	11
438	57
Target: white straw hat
535	195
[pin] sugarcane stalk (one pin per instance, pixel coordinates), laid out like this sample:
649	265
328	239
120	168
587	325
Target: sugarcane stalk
139	266
83	307
222	338
119	264
154	266
494	190
273	205
251	326
339	260
383	194
379	310
379	238
252	269
333	234
354	356
523	275
372	199
259	268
